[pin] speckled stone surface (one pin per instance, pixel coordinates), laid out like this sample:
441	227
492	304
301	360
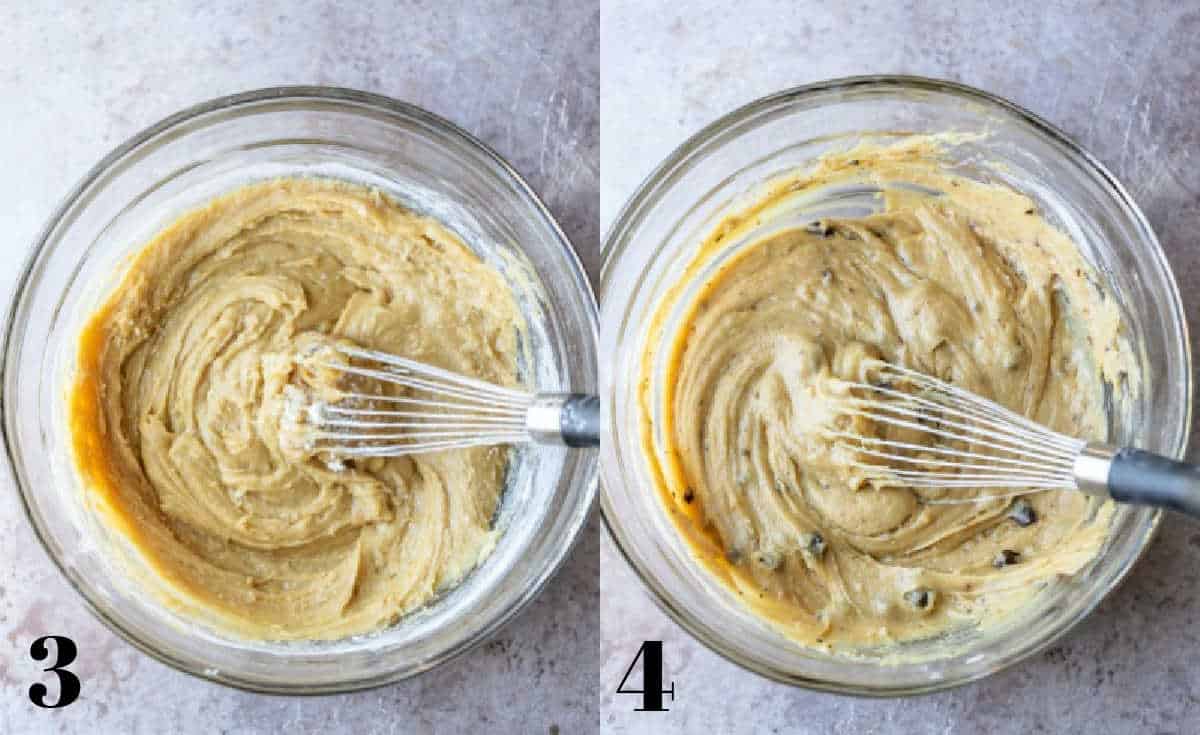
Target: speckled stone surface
77	79
1123	78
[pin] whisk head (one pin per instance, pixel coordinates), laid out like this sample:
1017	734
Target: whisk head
400	406
910	430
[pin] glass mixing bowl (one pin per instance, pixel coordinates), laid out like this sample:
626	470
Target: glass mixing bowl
712	175
428	164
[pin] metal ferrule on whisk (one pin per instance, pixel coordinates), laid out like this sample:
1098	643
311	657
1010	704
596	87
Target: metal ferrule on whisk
1092	467
543	418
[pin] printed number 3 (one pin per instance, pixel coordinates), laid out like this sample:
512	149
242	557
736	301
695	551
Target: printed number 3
68	683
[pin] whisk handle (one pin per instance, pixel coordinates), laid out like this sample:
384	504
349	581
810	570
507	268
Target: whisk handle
565	418
1150	479
581	420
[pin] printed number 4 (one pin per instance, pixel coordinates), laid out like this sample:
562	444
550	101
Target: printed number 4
652	674
68	683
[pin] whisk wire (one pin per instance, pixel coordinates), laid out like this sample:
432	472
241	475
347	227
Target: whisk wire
1000	449
927	461
973	403
408	381
974	435
412	367
992	421
450	411
410	401
403	449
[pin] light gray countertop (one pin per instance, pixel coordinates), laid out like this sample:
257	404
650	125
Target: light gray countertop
1122	78
79	79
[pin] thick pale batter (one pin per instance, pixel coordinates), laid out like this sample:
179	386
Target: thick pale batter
184	377
956	278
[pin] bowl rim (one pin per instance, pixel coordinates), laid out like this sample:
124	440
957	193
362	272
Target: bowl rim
176	123
663	176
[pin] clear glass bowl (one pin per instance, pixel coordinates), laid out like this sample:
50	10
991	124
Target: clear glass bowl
711	175
426	163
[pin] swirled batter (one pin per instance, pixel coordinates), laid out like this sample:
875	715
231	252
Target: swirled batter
184	377
959	279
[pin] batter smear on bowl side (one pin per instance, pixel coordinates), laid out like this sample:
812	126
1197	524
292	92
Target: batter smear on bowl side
187	370
954	277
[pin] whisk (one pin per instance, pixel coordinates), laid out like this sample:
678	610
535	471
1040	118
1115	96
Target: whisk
443	411
965	442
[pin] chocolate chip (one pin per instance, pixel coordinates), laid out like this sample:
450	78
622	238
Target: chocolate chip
689	495
920	598
1022	513
854	162
815	544
1028	211
1005	557
819	228
769	560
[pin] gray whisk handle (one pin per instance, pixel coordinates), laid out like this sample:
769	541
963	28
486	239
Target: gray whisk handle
1150	479
581	420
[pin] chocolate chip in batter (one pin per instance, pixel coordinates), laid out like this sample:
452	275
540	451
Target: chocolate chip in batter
921	599
819	228
769	560
815	544
1005	558
689	495
1023	513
